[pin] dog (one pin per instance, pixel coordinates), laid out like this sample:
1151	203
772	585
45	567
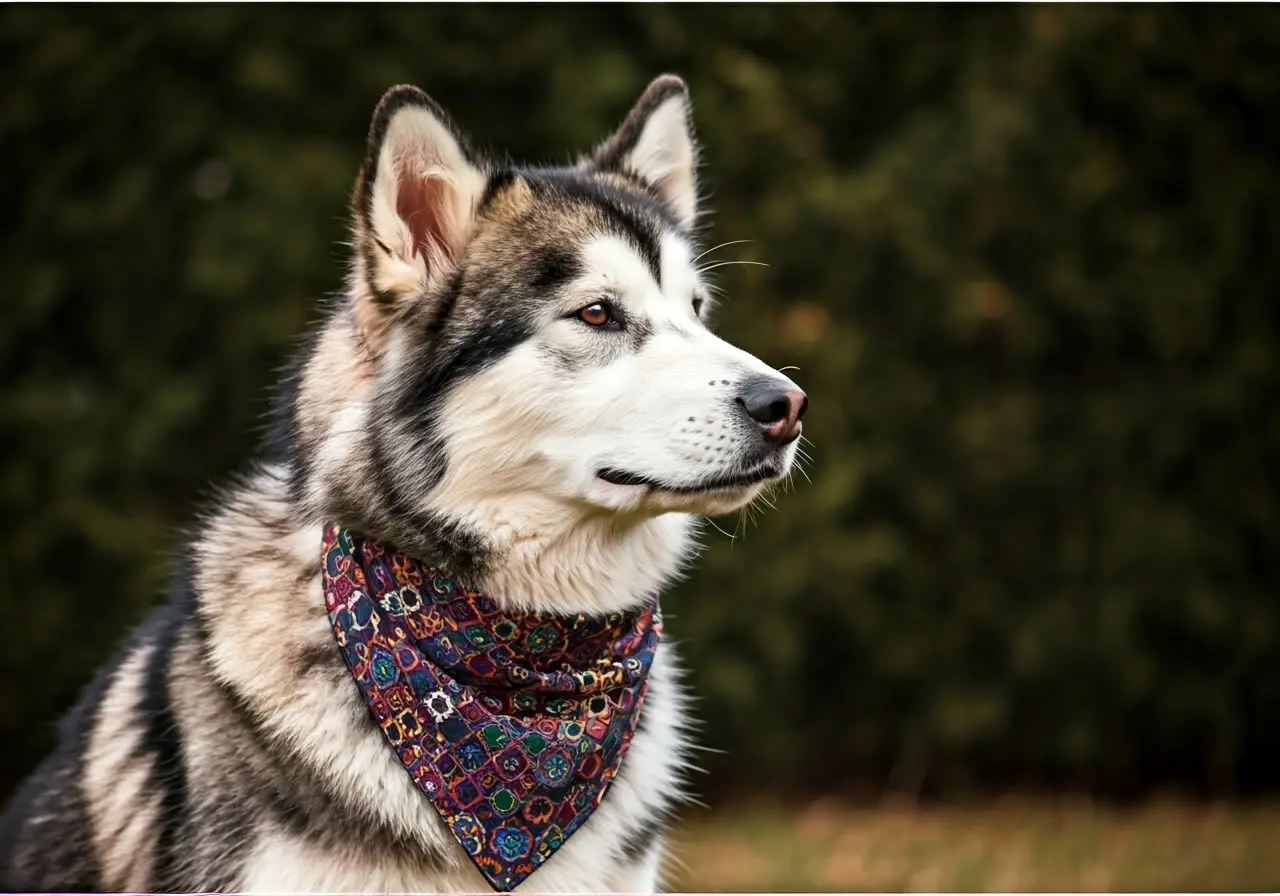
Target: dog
517	385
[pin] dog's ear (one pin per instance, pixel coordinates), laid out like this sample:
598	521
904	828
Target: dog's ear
656	144
414	206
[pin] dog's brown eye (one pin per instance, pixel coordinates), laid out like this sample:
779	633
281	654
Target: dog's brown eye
597	315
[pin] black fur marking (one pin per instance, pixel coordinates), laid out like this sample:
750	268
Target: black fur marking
466	550
384	299
498	182
499	331
435	460
431	463
639	841
638	332
642	236
447	300
390	490
482	343
555	268
444	541
318	659
161	736
760	473
634	215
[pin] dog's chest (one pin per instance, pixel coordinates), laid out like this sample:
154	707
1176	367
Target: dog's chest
597	858
616	850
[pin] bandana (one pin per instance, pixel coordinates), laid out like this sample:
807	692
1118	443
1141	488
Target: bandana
513	725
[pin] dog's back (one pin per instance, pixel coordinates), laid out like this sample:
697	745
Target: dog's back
45	830
56	832
106	810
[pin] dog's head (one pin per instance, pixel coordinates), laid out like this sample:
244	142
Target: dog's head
533	338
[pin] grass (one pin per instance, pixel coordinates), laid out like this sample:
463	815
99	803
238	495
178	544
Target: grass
1018	845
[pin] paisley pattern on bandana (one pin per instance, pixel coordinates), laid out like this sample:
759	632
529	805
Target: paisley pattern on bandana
513	725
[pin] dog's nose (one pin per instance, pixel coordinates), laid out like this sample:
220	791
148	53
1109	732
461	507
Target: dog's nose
777	406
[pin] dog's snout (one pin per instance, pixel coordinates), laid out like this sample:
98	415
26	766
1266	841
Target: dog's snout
777	406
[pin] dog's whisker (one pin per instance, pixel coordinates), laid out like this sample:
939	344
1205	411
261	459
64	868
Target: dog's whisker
721	246
721	264
721	531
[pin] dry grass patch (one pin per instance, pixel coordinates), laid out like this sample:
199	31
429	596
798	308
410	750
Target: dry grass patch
1018	845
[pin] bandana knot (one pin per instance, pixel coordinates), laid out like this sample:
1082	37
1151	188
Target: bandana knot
513	724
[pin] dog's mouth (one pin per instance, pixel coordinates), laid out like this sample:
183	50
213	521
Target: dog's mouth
716	484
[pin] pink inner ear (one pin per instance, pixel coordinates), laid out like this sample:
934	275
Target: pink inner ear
422	203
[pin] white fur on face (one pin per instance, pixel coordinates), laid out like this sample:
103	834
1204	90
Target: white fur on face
665	410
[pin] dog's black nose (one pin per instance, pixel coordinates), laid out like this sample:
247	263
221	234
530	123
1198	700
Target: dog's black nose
778	407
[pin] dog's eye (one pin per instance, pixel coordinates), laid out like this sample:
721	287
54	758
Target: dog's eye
599	315
697	307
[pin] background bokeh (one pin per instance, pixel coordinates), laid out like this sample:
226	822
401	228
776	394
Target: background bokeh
1025	261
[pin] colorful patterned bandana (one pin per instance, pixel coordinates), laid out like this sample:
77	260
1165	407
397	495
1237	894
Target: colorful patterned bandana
513	725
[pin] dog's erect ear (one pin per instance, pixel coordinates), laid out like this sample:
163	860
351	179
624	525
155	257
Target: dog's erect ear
656	144
414	205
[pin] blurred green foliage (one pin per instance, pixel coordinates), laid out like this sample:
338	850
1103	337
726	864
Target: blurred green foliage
1022	257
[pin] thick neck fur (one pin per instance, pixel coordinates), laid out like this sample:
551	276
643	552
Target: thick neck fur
591	564
354	464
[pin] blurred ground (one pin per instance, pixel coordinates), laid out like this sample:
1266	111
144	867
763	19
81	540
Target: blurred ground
1018	845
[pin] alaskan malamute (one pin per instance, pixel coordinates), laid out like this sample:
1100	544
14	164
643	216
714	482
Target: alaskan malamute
416	648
